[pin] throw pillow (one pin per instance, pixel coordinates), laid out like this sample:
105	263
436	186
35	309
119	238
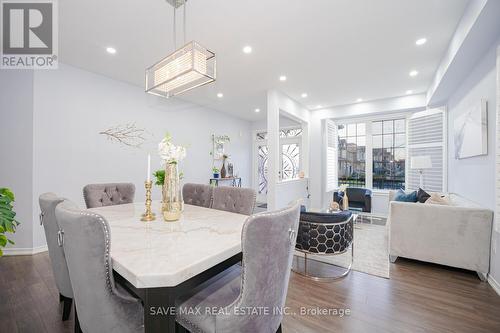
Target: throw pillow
422	196
437	199
405	197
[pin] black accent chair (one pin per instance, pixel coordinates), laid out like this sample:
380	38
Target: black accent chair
324	234
359	198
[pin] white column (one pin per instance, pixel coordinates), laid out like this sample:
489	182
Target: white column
317	174
273	116
305	148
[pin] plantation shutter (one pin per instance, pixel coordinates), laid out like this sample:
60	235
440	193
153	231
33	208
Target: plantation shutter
331	155
427	137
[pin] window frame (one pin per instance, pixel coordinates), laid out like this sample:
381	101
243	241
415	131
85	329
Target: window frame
393	133
369	142
347	136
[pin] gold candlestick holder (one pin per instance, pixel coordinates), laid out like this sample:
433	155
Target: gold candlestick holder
148	215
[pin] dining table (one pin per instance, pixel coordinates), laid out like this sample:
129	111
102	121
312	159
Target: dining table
159	261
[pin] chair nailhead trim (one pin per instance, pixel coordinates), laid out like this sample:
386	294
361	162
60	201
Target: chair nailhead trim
238	301
106	252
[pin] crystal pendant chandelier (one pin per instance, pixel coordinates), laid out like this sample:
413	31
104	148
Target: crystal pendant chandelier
189	67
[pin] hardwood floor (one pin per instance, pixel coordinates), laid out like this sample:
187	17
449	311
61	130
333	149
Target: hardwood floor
418	298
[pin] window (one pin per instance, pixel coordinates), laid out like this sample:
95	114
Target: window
372	153
262	168
284	133
290	161
389	154
352	154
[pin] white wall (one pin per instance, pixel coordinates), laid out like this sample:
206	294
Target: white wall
474	178
289	191
16	148
72	106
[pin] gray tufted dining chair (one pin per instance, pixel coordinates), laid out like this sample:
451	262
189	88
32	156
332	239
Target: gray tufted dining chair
234	199
268	242
99	195
48	203
100	304
197	194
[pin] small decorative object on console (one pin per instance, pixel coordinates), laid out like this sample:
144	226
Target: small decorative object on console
215	172
223	168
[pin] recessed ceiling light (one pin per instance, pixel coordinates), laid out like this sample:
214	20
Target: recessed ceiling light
257	110
111	50
304	95
421	41
359	100
413	73
282	78
247	49
319	106
220	95
409	92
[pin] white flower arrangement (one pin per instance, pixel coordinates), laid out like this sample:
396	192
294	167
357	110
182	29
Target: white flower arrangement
169	153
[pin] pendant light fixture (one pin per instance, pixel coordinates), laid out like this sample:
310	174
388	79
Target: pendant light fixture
187	68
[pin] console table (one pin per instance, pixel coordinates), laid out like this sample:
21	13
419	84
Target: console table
234	181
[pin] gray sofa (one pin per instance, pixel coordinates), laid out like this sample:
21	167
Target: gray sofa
456	235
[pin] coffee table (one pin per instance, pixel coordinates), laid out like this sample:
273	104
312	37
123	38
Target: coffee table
368	218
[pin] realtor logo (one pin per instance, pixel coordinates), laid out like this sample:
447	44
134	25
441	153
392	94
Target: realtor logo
29	34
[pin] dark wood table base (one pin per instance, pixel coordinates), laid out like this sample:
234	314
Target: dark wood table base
159	303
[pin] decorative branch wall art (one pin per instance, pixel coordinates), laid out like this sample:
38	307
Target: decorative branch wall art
127	134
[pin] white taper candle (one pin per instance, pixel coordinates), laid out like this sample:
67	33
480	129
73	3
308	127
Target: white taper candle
149	168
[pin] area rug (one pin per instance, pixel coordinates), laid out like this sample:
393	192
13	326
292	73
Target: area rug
371	251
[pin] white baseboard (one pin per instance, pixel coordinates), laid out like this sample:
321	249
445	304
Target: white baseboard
494	284
26	251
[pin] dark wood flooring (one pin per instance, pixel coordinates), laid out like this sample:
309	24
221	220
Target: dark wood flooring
419	297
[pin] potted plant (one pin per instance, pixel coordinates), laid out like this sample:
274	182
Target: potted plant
215	172
8	223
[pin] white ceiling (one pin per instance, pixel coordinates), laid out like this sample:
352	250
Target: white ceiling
336	51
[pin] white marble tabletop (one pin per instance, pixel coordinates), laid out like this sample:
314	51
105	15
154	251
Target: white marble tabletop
164	254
